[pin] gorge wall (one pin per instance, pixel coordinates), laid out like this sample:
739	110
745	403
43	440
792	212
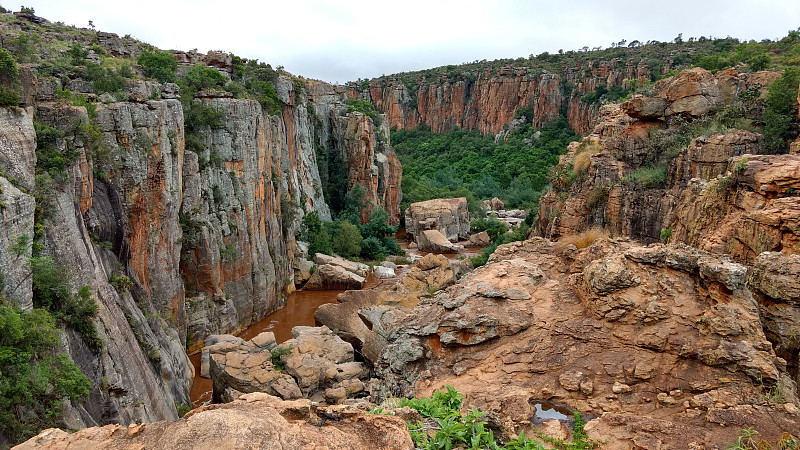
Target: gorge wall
488	99
174	243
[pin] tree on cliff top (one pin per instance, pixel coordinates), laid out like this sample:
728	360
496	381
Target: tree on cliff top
780	114
159	65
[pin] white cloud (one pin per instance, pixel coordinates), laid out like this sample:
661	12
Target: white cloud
338	40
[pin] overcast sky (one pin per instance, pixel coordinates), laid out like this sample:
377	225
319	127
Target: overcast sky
342	40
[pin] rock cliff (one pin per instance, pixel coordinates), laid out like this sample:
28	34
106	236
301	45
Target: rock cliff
176	241
714	193
488	99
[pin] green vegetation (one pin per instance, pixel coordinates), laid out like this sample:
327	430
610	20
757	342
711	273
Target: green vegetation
10	87
255	80
647	177
445	427
750	439
365	108
34	380
372	240
182	409
159	65
277	355
347	240
468	164
780	113
52	291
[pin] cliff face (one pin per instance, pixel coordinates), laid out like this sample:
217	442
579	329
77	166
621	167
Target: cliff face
489	101
205	235
630	137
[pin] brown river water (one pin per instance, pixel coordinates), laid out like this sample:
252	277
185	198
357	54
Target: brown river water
299	310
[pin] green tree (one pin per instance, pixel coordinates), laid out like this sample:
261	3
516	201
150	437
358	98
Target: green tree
33	379
200	78
354	201
159	65
347	240
10	87
372	248
780	113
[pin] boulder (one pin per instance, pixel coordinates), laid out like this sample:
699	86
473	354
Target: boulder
330	277
431	272
450	216
645	108
433	241
250	372
383	272
692	92
255	420
479	240
350	266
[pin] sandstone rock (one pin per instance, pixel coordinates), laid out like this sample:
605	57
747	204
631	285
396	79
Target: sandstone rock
16	221
330	277
17	147
350	266
555	429
384	272
249	372
645	108
692	91
389	264
254	421
680	320
479	240
435	242
430	272
449	216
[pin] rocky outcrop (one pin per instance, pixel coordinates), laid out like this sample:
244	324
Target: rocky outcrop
433	241
254	421
447	215
315	363
664	335
707	191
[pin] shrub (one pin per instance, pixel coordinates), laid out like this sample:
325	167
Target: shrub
33	382
51	290
492	226
200	78
647	177
780	113
10	87
598	196
666	233
104	79
580	240
372	249
277	357
347	240
159	65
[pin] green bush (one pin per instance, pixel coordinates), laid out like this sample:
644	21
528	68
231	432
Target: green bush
491	225
780	113
647	177
10	87
200	78
159	65
33	380
347	240
51	290
104	79
372	249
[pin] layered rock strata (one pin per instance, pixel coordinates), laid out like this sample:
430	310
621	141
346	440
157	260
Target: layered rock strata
664	335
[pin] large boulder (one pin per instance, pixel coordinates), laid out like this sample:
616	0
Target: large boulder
692	92
448	215
350	266
432	272
256	420
433	241
479	240
330	277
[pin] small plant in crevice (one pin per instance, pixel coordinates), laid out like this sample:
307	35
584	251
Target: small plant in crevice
277	355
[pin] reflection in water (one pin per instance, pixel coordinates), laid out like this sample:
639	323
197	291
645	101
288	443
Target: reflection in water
546	410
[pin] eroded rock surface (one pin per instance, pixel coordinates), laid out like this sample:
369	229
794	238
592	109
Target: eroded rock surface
665	335
449	216
254	421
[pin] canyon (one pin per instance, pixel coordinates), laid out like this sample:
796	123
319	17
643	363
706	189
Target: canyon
674	327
